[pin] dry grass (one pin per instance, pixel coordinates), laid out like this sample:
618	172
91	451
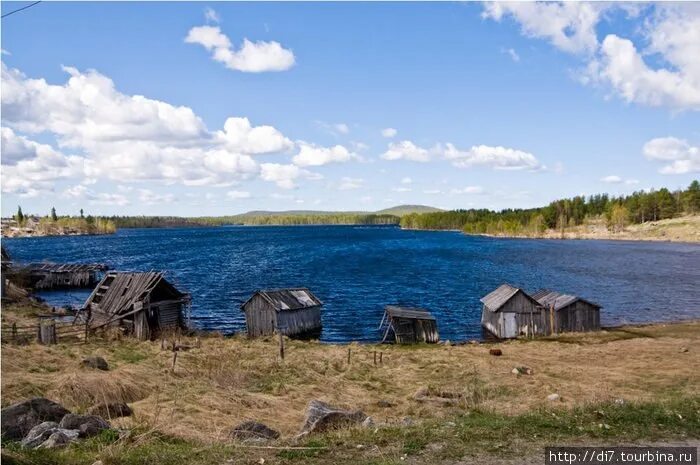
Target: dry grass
227	381
683	229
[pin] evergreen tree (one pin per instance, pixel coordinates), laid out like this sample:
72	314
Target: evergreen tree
53	214
20	216
81	213
691	198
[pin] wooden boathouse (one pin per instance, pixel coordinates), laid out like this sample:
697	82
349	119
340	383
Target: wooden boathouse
58	276
144	303
292	312
510	312
566	312
409	325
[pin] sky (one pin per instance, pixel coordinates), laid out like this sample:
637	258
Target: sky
219	108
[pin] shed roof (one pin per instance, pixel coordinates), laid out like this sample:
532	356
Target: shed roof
287	299
118	291
494	300
413	313
549	298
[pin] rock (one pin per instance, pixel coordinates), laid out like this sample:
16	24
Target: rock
88	425
59	438
368	423
252	430
96	362
620	401
18	419
521	371
495	352
321	416
113	410
407	421
683	350
39	434
553	397
384	404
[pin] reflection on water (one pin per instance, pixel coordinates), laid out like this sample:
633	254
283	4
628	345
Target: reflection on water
356	271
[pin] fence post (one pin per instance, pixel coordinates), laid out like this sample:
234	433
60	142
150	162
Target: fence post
47	333
349	351
14	332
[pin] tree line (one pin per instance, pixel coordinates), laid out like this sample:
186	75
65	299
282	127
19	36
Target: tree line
618	212
52	223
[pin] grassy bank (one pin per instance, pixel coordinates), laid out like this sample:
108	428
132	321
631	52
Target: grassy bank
625	384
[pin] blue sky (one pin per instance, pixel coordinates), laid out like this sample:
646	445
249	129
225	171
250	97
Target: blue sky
122	108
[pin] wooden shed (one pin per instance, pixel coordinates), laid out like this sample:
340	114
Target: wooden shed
409	325
292	312
144	303
566	312
510	312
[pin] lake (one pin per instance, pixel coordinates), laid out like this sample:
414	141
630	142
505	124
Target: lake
355	271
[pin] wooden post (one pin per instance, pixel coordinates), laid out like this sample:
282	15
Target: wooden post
375	358
174	357
14	332
349	351
381	354
281	344
47	333
551	320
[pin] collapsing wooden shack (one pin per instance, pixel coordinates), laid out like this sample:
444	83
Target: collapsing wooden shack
566	312
292	312
145	304
409	325
510	312
57	276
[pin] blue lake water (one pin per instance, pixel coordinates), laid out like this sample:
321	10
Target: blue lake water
355	271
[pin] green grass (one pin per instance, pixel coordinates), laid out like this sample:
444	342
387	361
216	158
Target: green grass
470	434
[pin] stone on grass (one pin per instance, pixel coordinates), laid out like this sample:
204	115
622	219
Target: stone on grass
113	410
521	371
87	425
18	419
39	434
96	362
496	352
553	397
368	423
252	430
321	416
59	438
421	393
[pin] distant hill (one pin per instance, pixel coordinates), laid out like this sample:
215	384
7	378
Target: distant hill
401	210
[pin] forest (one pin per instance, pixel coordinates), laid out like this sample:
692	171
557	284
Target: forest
618	212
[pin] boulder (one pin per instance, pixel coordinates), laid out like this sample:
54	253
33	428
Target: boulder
60	437
39	434
87	425
113	410
496	352
321	416
553	397
18	419
96	362
252	430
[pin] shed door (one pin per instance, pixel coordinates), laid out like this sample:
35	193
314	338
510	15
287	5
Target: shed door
509	326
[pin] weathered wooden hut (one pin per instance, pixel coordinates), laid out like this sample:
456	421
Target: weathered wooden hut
292	312
510	312
57	276
144	303
409	325
566	312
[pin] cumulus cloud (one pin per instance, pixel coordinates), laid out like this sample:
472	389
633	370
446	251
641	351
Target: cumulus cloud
406	150
347	183
240	136
285	176
612	179
149	197
468	190
498	157
389	132
677	155
238	195
315	155
252	57
96	198
664	73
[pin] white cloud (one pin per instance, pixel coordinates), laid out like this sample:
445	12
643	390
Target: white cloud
432	191
211	15
401	189
347	183
406	180
669	31
342	128
406	150
314	155
389	132
285	176
468	190
252	57
500	158
511	53
333	128
238	195
612	179
96	198
678	156
238	135
149	197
